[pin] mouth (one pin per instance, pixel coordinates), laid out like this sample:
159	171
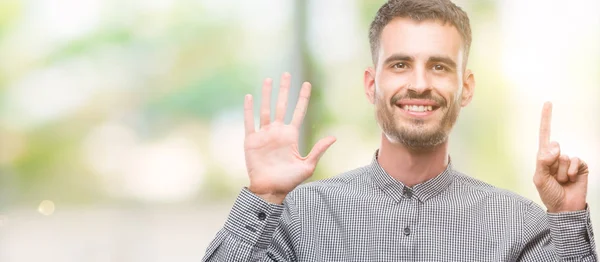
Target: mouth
419	108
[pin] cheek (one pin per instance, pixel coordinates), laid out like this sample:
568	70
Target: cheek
449	88
393	80
380	99
389	84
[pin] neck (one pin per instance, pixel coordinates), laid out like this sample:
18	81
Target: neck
409	166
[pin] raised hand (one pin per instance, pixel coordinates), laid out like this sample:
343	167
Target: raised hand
275	167
561	181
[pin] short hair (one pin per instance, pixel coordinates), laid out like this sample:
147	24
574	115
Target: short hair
419	10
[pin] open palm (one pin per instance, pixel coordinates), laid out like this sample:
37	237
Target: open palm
275	166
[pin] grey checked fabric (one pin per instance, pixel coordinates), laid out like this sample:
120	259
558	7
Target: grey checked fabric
366	215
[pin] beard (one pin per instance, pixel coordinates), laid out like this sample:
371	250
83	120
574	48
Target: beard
416	133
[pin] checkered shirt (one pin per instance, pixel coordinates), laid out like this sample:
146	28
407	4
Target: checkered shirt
366	215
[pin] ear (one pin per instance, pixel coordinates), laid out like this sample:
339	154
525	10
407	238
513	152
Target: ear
369	82
468	88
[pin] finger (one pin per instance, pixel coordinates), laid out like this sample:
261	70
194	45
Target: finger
563	166
547	161
265	106
545	126
284	88
583	169
301	105
574	169
554	167
248	115
319	149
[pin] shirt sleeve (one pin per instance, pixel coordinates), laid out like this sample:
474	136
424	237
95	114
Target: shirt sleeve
572	235
564	236
255	231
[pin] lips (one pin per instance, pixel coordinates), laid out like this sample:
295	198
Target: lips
418	107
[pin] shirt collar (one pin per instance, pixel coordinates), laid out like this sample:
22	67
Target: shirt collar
398	191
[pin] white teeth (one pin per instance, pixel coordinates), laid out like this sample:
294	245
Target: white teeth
415	108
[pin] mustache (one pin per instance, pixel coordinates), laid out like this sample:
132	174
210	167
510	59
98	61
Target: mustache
410	94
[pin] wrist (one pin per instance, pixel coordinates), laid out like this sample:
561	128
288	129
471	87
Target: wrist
272	198
557	210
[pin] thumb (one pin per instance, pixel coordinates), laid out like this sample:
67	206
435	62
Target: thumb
548	157
319	149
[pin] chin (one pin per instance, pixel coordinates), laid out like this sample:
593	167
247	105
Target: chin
419	137
419	127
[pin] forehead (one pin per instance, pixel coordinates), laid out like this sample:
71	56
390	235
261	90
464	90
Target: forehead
420	38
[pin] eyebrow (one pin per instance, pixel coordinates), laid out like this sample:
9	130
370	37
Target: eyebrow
443	59
397	57
437	58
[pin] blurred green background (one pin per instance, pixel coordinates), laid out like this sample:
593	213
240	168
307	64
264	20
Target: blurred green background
121	129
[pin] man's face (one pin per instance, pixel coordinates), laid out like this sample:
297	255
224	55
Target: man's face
418	85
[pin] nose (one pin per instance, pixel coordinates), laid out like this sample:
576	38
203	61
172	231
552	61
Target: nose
420	81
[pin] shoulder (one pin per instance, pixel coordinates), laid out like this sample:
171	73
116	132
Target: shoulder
504	203
475	186
349	180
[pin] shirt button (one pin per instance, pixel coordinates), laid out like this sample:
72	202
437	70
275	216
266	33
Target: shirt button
406	231
262	216
407	192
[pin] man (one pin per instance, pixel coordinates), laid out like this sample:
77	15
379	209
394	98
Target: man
409	204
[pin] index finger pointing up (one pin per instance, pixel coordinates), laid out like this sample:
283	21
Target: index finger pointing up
545	125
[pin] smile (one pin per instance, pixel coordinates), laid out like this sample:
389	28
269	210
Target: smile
416	108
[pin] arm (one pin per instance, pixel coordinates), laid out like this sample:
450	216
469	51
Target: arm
565	236
562	185
250	236
261	227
